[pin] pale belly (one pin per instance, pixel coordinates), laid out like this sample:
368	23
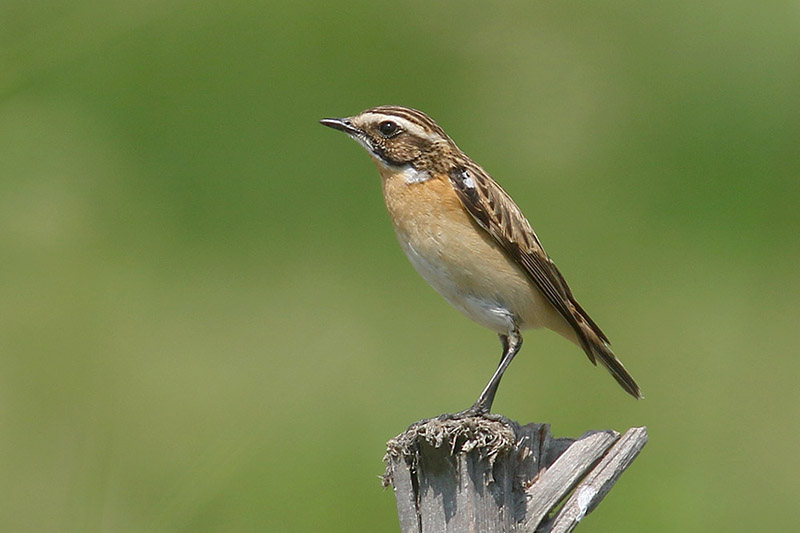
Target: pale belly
474	297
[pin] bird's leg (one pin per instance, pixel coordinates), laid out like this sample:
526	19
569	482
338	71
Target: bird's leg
490	394
504	342
511	345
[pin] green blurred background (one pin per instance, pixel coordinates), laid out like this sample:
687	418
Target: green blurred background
206	323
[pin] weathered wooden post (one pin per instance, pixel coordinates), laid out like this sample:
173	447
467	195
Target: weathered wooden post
488	474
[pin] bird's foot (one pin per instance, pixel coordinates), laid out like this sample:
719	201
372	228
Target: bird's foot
477	410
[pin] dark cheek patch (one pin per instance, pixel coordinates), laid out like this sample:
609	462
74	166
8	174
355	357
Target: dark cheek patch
400	151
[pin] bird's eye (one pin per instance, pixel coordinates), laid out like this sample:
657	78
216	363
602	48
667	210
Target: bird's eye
388	128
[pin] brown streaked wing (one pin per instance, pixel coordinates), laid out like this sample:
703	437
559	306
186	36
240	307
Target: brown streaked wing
497	213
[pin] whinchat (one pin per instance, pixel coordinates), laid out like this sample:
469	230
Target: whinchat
469	240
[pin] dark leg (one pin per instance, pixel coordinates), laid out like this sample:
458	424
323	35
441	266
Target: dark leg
504	342
490	394
511	345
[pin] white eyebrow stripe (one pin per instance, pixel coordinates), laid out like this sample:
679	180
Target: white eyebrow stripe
406	125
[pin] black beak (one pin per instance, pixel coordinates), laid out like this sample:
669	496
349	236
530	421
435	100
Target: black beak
341	124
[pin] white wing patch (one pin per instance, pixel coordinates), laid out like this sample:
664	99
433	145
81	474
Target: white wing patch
468	181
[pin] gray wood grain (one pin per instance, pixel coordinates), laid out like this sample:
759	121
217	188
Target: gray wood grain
564	474
595	486
456	473
404	492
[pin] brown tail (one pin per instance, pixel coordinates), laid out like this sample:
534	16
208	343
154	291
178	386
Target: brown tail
614	365
597	348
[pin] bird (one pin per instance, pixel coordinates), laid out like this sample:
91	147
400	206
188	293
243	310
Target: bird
470	241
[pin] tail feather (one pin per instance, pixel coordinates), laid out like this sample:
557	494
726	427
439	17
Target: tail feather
597	348
617	370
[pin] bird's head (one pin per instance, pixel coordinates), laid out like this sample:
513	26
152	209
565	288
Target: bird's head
397	136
